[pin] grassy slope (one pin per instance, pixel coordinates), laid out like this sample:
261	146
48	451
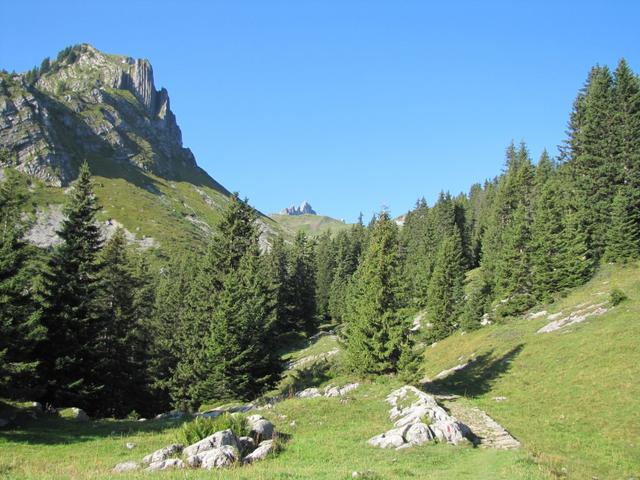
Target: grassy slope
573	396
572	400
312	224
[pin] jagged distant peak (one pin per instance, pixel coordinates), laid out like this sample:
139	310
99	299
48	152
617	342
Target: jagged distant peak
304	208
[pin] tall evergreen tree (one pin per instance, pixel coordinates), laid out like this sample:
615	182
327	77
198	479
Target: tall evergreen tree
623	242
324	267
446	288
121	335
71	307
376	332
303	284
20	327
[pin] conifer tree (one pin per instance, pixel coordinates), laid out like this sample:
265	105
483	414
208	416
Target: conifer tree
303	284
71	307
20	327
277	266
623	242
376	332
446	288
324	267
121	334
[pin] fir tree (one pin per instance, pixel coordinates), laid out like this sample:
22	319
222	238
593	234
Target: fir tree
623	242
375	333
446	288
121	334
324	267
303	284
20	327
71	308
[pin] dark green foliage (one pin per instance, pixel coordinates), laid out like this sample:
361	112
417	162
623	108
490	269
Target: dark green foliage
72	313
201	427
303	285
229	320
623	236
325	266
446	288
376	328
617	297
20	328
121	335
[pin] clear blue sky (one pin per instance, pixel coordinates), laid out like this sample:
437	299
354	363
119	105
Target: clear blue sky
348	104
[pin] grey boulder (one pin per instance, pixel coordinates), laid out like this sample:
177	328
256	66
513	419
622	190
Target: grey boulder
219	457
126	467
163	453
418	434
168	464
218	439
260	453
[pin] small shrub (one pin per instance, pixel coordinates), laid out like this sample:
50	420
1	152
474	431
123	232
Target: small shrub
202	427
617	297
133	415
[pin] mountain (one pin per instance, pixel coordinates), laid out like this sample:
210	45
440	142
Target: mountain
304	209
105	109
311	224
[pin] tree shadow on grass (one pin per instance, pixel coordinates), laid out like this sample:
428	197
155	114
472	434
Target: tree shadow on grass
52	430
477	378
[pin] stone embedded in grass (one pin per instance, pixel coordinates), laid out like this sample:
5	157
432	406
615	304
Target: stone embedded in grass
584	311
410	408
218	439
131	445
163	453
168	464
332	391
126	467
172	415
219	457
418	434
309	393
246	445
260	453
261	429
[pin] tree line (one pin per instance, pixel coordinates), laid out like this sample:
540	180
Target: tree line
91	324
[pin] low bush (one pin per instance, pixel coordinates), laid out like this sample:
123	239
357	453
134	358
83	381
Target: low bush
617	296
202	427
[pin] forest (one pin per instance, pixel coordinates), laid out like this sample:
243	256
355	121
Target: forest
93	324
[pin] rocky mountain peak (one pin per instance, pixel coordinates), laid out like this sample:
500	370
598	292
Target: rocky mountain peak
304	209
88	104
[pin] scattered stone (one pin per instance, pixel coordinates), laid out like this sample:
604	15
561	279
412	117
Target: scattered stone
78	414
218	439
575	317
260	453
162	454
500	399
309	393
126	467
487	433
554	316
533	316
292	424
168	464
311	359
131	445
449	371
172	415
332	391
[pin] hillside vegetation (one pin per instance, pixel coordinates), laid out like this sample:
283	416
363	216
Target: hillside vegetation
571	399
313	225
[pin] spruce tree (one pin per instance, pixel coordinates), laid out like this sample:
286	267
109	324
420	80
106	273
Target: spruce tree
277	266
324	266
303	284
71	308
121	335
20	327
376	331
623	241
446	288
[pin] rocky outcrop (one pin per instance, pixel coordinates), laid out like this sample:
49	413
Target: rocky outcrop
90	105
303	209
418	419
163	453
577	316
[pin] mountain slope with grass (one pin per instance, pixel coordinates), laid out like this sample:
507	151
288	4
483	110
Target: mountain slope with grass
568	396
313	225
91	106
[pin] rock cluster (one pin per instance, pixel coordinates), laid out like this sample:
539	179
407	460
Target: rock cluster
329	391
221	449
418	422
